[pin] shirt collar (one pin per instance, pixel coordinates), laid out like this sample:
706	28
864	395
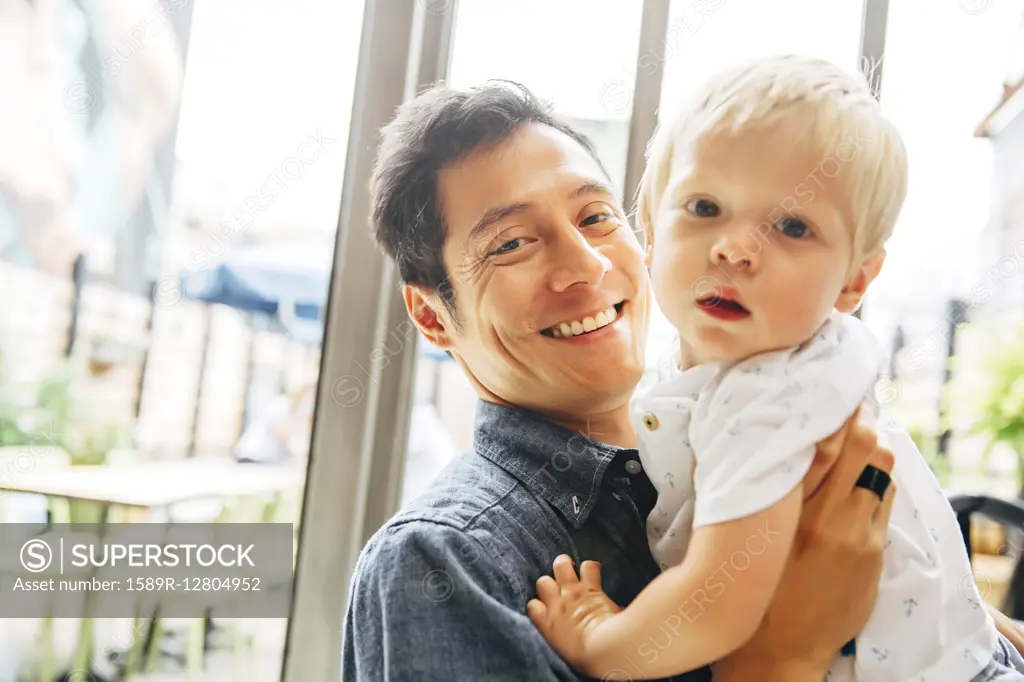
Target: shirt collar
562	467
677	383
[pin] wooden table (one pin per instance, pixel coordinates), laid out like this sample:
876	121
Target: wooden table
139	487
157	484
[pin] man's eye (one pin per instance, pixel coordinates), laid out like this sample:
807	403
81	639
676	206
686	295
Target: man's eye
703	208
793	227
596	218
507	247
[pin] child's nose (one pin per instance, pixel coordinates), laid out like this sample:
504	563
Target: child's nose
736	251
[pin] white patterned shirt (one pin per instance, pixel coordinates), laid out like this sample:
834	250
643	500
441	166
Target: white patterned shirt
724	441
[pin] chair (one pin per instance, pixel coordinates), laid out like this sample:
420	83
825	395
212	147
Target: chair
1010	513
11	569
282	506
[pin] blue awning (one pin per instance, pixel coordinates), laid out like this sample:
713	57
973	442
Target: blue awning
266	277
284	280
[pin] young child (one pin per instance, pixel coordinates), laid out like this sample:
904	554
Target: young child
767	203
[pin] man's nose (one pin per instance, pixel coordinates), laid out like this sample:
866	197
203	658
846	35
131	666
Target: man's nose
738	249
578	262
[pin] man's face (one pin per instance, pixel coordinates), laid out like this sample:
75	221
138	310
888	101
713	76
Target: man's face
752	247
549	279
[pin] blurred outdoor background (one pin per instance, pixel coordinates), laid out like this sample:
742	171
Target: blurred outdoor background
170	179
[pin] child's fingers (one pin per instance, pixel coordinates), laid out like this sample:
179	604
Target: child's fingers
565	572
590	574
547	588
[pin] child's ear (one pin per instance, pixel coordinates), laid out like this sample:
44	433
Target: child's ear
642	218
648	248
853	293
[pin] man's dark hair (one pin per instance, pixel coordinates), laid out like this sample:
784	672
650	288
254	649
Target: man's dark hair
436	129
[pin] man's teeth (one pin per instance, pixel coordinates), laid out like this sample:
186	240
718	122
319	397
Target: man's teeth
587	324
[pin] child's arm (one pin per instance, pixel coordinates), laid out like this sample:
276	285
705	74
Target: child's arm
704	608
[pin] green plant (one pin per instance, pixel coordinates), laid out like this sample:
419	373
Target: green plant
993	396
10	432
11	422
52	416
928	445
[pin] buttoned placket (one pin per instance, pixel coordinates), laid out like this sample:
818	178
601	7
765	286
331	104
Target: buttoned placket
628	482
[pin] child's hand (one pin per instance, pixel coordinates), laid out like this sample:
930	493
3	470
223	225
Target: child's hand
569	611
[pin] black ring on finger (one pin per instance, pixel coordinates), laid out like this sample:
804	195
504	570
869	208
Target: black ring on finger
875	480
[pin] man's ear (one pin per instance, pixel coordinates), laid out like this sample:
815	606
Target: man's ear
852	294
428	314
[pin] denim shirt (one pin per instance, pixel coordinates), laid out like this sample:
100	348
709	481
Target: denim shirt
440	592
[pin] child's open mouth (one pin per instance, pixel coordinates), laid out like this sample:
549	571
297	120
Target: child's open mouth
723	308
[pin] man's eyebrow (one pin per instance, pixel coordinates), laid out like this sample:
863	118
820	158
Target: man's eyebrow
592	188
499	213
493	215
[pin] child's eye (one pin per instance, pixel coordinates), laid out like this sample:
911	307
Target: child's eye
793	227
703	208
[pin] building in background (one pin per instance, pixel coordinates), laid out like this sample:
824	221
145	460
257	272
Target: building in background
86	159
1004	127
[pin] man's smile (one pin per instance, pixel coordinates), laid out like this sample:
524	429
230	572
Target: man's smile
585	324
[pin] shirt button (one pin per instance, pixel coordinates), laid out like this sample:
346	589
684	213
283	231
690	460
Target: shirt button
633	466
651	421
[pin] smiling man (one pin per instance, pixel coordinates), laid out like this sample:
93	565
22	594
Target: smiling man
517	258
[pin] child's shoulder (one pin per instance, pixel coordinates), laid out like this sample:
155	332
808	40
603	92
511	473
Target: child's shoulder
842	338
842	355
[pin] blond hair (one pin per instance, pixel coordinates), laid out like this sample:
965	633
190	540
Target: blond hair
833	107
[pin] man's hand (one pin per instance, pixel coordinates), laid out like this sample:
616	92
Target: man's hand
1007	628
829	586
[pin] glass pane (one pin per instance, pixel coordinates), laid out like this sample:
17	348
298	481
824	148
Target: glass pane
951	84
169	188
587	77
704	37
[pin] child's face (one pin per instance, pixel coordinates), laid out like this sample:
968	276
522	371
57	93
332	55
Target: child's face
756	220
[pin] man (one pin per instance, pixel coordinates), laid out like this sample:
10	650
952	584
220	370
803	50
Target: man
511	244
